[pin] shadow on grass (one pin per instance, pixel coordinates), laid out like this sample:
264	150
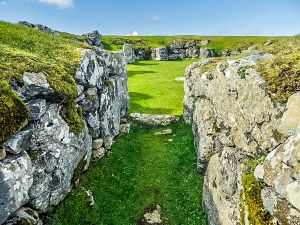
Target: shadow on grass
136	107
149	63
139	72
139	96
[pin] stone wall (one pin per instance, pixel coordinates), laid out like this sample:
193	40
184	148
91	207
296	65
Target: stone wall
45	159
240	134
177	50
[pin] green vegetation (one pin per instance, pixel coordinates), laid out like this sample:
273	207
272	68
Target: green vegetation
13	112
218	43
25	49
140	171
252	201
282	71
153	89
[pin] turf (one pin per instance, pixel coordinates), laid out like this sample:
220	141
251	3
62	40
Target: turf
152	86
140	171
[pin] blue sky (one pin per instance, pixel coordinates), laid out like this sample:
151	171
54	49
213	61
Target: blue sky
160	17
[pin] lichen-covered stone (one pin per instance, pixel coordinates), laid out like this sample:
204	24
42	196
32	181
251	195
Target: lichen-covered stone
151	119
19	142
16	178
235	120
24	216
129	54
55	154
280	172
291	117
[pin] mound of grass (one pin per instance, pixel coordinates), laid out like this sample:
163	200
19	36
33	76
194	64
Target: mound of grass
152	86
24	49
141	170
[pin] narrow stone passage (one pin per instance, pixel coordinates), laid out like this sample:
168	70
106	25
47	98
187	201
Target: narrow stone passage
142	171
149	176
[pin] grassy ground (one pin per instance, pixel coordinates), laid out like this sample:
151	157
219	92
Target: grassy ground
219	43
152	86
140	171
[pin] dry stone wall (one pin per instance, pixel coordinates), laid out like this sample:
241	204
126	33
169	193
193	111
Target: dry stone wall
236	124
44	160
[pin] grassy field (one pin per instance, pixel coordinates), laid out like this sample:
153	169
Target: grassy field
140	171
218	43
152	86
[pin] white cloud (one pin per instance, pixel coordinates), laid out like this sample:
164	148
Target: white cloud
156	18
59	3
135	33
3	3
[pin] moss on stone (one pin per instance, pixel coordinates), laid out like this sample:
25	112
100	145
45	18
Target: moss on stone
108	83
23	49
251	197
282	71
73	116
13	112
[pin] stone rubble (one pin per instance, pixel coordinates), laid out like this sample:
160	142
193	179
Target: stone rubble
152	119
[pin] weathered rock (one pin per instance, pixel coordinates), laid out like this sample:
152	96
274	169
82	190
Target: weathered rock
35	86
164	132
280	172
39	27
25	216
98	153
291	117
93	38
97	143
221	188
160	54
152	217
143	54
204	42
104	75
269	42
89	72
56	155
37	108
16	177
151	119
108	142
129	54
19	142
125	128
233	121
179	78
206	53
2	154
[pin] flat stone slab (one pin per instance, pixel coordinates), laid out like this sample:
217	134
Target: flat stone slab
182	79
152	119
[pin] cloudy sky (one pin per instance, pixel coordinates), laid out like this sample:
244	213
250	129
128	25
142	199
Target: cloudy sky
160	17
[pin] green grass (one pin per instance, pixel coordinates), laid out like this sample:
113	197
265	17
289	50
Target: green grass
219	43
23	49
152	86
140	171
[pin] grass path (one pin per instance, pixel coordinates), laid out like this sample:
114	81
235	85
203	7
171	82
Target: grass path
143	170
